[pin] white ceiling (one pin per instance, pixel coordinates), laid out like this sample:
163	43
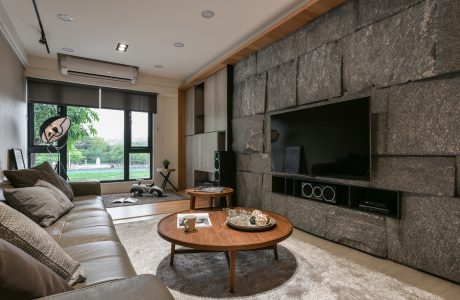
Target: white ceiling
149	27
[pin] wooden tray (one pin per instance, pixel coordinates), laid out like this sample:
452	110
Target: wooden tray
251	227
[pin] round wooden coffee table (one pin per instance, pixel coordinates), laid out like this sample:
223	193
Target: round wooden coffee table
222	238
227	193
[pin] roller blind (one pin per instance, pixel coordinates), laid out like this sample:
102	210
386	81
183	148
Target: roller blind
62	93
128	100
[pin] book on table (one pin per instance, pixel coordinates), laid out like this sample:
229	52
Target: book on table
202	220
125	200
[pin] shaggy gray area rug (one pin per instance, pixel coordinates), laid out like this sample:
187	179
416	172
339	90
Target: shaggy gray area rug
167	196
303	271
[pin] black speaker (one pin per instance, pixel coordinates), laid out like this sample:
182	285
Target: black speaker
224	168
318	191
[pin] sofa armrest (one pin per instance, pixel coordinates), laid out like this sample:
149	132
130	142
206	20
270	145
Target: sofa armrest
86	188
135	288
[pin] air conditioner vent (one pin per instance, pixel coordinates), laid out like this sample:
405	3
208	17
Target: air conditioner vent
79	66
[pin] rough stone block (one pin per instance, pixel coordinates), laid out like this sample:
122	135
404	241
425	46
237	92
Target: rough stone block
448	37
457	193
331	26
249	96
307	215
249	189
427	236
422	175
320	74
379	133
363	231
424	118
396	50
243	162
245	68
282	51
281	86
267	182
373	11
260	163
275	203
248	134
267	134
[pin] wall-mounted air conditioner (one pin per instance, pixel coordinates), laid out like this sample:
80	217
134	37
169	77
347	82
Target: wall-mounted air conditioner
79	66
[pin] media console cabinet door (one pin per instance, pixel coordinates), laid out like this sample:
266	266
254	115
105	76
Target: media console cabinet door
215	101
190	111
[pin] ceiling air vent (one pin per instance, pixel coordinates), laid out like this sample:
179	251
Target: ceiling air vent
79	66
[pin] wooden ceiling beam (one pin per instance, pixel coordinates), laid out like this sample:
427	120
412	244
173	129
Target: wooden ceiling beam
295	20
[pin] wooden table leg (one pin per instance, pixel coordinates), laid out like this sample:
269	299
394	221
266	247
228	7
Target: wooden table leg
192	202
232	256
210	201
229	200
173	251
275	251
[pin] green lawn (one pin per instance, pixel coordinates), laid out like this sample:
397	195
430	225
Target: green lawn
107	174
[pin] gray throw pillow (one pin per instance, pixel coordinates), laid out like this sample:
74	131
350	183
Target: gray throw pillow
22	232
23	277
44	171
43	203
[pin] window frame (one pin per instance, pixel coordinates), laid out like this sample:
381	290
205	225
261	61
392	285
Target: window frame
128	148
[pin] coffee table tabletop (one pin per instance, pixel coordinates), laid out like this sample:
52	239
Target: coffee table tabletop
222	238
227	193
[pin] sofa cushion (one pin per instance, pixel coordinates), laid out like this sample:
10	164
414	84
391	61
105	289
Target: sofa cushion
43	203
102	261
44	171
23	277
27	235
141	287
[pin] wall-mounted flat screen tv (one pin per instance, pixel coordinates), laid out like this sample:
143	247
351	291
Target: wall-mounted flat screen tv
333	140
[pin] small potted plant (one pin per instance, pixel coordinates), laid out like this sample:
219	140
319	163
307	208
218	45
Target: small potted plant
166	163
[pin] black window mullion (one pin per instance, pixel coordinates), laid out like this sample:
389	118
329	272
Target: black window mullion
127	143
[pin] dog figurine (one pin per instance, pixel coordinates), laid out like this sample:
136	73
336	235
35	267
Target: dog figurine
143	189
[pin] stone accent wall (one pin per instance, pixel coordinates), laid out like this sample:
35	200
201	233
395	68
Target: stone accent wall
404	54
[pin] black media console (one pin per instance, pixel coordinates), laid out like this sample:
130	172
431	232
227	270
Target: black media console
377	201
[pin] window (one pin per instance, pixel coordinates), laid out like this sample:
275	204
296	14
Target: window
102	144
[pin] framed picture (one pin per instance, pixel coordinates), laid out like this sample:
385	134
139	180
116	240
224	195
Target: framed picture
291	162
17	160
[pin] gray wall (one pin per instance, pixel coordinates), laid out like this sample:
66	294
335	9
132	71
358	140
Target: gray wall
13	108
405	55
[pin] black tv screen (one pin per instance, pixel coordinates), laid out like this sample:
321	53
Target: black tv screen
331	140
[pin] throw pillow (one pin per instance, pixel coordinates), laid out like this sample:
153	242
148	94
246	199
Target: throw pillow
23	277
43	203
44	171
22	232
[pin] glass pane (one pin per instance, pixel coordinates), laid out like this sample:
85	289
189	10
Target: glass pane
38	158
139	129
139	166
42	112
95	144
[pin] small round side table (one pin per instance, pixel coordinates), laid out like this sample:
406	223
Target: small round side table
227	193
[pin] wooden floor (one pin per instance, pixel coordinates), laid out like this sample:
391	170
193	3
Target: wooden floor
432	284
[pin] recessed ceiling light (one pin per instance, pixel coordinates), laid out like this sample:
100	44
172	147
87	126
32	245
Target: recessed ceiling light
67	49
207	14
122	47
179	45
65	17
158	66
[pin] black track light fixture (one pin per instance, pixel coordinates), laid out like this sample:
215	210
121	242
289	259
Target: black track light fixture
42	39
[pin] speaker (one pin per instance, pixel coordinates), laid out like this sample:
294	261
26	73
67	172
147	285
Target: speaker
225	168
318	191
